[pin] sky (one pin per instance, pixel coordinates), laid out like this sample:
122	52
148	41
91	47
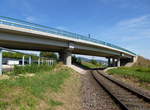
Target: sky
125	23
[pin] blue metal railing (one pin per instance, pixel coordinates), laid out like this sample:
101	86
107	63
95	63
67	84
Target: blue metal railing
33	26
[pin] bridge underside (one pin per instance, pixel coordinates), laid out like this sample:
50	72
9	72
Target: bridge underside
27	41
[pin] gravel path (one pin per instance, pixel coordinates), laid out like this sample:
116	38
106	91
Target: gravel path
94	97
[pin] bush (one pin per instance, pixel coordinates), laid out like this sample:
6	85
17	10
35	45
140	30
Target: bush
94	62
76	60
31	68
16	55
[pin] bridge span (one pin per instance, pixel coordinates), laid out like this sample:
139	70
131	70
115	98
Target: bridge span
18	34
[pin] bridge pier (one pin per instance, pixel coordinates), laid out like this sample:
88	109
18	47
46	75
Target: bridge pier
113	62
39	61
65	57
118	62
23	60
30	60
61	56
68	58
1	55
109	63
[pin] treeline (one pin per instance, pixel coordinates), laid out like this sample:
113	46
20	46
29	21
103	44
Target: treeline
79	61
16	55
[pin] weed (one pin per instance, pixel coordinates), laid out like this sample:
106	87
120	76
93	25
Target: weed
141	73
55	103
31	69
3	105
25	92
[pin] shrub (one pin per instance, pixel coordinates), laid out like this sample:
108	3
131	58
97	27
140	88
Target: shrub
31	68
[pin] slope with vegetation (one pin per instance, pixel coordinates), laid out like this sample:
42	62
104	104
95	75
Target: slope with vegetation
42	87
137	75
142	62
88	64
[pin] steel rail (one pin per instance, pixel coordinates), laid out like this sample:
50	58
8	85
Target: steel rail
106	82
125	86
123	106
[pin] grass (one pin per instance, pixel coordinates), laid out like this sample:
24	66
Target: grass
55	103
90	65
142	62
28	93
140	74
31	69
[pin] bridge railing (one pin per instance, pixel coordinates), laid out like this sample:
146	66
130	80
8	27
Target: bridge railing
33	26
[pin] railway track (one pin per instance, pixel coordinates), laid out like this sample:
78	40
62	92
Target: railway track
128	98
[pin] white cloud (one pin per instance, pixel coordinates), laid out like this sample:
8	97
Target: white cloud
133	34
62	27
136	28
30	19
141	21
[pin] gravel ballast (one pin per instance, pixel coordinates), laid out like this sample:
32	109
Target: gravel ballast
93	95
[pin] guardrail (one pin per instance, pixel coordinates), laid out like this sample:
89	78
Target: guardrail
33	26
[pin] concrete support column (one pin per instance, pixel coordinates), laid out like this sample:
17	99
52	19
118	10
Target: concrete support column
30	60
68	58
1	63
109	62
61	56
65	57
23	60
118	62
50	62
113	62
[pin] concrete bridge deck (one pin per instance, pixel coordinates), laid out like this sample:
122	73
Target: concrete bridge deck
17	34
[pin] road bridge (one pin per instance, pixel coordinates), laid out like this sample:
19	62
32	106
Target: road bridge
18	34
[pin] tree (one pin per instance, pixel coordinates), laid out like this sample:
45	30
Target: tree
48	55
76	60
16	55
95	62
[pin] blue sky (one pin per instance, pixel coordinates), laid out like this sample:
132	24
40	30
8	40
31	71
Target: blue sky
122	22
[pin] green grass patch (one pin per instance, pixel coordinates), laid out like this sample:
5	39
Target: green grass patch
55	103
3	105
141	73
26	93
90	65
31	69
